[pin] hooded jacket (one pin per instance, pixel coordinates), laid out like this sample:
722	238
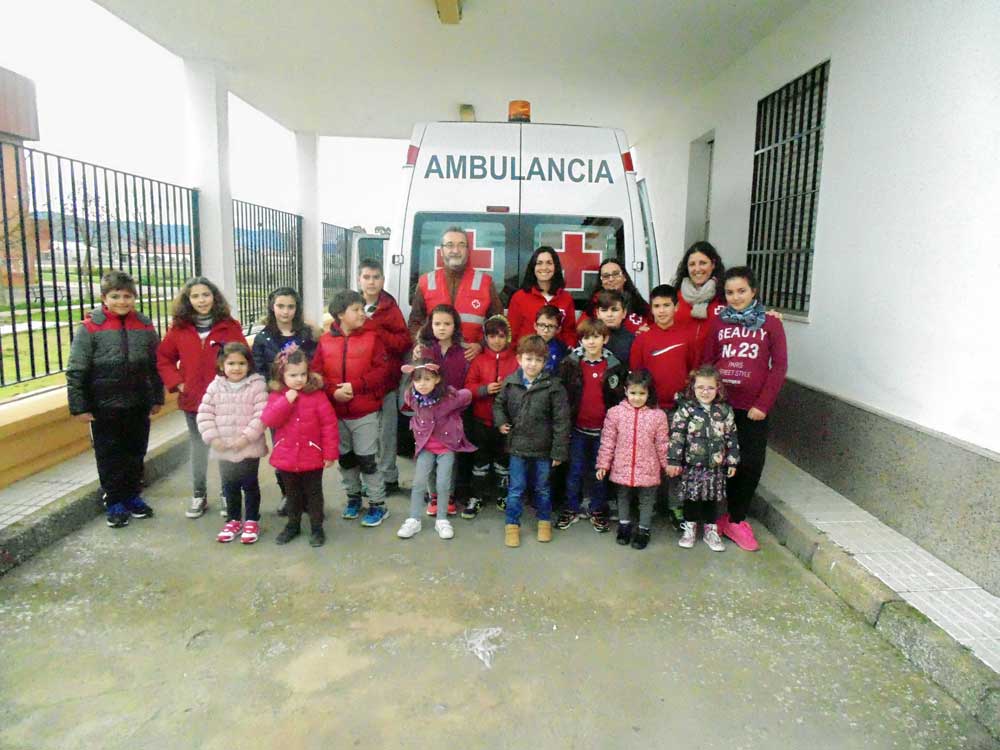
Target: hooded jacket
358	359
230	411
112	363
539	416
442	420
488	367
305	432
634	445
395	336
703	436
184	357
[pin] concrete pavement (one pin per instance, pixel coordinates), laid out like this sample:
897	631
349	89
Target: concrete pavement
156	636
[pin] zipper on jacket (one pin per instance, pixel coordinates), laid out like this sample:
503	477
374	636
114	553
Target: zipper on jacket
635	442
314	445
343	363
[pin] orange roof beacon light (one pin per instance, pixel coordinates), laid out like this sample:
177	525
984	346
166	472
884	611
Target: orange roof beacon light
519	110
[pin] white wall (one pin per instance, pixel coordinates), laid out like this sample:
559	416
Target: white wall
907	258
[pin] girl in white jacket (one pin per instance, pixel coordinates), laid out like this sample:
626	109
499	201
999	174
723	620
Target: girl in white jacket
229	422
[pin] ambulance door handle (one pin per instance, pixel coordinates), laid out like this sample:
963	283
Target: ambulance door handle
397	260
638	265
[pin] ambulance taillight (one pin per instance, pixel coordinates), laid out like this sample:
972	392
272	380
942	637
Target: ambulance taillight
626	161
519	110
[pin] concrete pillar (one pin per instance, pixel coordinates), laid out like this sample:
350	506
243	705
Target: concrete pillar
208	138
307	159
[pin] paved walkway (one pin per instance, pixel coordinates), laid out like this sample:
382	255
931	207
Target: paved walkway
954	602
156	636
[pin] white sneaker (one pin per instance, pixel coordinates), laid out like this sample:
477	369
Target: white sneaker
409	528
444	529
690	534
196	508
712	538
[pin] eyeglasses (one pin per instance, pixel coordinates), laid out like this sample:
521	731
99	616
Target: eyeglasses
611	275
454	245
546	326
706	388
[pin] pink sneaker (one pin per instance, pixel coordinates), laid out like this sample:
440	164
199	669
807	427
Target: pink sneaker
742	534
722	523
251	532
229	531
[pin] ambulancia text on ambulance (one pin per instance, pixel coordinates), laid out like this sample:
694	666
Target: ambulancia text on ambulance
514	186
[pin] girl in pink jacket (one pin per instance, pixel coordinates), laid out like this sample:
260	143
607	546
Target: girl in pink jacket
306	440
229	422
634	445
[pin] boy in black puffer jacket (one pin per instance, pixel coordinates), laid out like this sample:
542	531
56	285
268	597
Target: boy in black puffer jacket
531	409
113	385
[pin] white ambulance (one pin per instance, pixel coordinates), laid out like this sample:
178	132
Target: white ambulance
514	186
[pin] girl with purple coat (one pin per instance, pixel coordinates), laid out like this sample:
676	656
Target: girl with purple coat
438	435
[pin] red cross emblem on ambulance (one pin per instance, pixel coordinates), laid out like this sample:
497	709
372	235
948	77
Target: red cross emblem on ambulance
577	260
479	257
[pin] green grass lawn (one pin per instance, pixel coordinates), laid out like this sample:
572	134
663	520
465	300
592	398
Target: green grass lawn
37	339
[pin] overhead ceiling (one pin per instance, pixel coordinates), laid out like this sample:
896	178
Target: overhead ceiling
355	68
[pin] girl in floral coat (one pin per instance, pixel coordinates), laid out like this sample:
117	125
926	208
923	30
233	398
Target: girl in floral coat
703	451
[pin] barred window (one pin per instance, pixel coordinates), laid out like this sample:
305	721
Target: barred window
788	152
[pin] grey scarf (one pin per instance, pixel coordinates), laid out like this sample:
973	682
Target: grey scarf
698	298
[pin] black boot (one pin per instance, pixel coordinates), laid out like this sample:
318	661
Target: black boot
318	537
640	538
624	533
288	533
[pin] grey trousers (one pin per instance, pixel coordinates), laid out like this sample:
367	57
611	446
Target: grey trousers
388	424
647	496
425	466
199	457
359	455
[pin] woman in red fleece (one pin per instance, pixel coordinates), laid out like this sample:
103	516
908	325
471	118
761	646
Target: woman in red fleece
543	285
700	297
747	347
186	359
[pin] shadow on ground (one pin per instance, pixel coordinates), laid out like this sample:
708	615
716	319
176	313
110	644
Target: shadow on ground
156	636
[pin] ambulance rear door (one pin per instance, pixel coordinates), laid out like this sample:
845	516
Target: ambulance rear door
461	175
575	197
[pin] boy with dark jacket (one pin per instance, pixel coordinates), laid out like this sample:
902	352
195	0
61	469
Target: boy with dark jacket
531	409
355	370
114	386
595	381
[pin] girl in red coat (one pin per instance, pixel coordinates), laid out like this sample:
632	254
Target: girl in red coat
543	285
305	441
186	361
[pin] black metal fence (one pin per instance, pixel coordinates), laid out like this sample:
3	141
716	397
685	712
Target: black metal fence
336	258
64	223
268	248
786	170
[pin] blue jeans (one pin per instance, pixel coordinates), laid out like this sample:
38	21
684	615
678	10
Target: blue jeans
533	474
582	468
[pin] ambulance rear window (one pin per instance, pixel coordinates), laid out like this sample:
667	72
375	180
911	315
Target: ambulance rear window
582	243
489	237
502	245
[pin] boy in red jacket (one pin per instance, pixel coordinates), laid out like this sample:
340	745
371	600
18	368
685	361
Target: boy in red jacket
355	369
669	352
486	375
382	310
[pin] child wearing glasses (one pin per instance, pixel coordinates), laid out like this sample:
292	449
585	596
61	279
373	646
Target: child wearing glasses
548	321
